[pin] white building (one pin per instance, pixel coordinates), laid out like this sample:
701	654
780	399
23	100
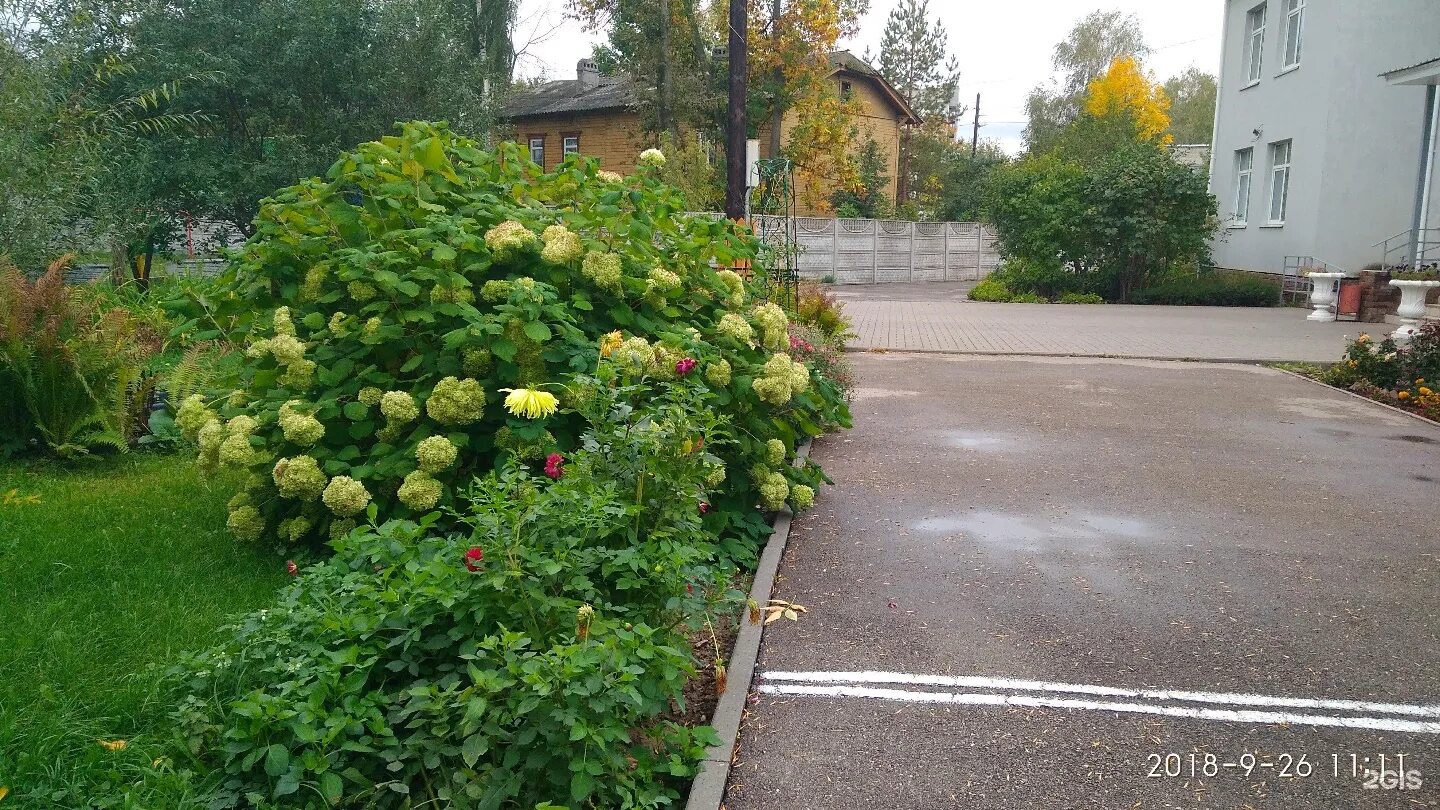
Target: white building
1325	130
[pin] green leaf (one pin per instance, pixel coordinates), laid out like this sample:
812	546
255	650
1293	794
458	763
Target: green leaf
443	253
356	411
474	746
581	786
277	760
537	331
331	787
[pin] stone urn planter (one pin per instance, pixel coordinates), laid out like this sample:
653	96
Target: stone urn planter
1322	295
1412	305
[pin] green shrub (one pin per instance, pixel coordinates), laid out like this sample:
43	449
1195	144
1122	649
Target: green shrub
425	278
818	307
990	289
1114	226
1028	298
531	659
1080	298
1045	280
1216	290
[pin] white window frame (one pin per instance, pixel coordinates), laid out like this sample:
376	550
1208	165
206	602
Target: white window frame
1244	179
570	145
537	142
1294	33
1279	180
1255	43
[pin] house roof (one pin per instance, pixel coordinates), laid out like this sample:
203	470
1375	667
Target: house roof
844	61
571	96
1427	72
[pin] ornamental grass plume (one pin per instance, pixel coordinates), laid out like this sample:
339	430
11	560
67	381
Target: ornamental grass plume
530	403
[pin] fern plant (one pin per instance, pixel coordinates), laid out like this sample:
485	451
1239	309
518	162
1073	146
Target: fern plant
68	364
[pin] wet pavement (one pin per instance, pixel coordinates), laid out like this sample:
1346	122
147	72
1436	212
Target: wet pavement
1023	560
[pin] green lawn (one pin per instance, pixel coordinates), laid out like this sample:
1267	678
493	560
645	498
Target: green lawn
121	566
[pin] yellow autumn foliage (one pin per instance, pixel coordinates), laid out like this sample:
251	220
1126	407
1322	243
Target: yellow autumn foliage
1125	90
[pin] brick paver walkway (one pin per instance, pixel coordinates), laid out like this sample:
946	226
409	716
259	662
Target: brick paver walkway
937	317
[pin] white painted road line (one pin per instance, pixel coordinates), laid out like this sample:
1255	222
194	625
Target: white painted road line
1032	701
1011	684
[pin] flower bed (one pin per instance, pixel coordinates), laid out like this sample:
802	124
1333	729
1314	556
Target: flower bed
1407	377
519	428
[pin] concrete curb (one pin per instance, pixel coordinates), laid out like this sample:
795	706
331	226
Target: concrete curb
1245	361
1362	397
707	792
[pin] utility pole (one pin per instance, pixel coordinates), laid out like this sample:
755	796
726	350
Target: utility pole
975	133
735	126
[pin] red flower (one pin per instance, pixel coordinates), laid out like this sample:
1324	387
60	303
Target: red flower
473	558
553	466
685	366
291	568
704	507
689	588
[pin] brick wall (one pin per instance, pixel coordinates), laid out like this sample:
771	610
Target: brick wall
613	137
877	119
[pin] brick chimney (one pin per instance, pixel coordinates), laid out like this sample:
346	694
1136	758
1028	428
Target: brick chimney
587	73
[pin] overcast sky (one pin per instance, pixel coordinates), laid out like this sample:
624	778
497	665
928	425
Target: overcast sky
1004	48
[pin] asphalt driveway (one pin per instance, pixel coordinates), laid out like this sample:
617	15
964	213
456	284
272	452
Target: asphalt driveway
1061	583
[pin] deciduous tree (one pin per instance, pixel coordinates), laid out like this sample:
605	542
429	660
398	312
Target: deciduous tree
1083	56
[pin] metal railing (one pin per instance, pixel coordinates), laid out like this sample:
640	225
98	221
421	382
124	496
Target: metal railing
1295	284
1411	248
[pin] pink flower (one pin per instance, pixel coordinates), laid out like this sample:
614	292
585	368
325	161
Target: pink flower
685	366
291	568
473	558
704	507
553	466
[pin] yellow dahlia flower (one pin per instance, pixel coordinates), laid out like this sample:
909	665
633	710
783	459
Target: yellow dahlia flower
530	403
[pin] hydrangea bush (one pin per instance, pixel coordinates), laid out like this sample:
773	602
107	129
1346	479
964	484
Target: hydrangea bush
420	315
534	658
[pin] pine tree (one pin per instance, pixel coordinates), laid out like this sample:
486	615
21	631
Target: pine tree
913	58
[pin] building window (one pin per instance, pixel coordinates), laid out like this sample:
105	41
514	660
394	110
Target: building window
1294	30
846	90
570	144
1279	180
1244	168
1254	43
537	149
